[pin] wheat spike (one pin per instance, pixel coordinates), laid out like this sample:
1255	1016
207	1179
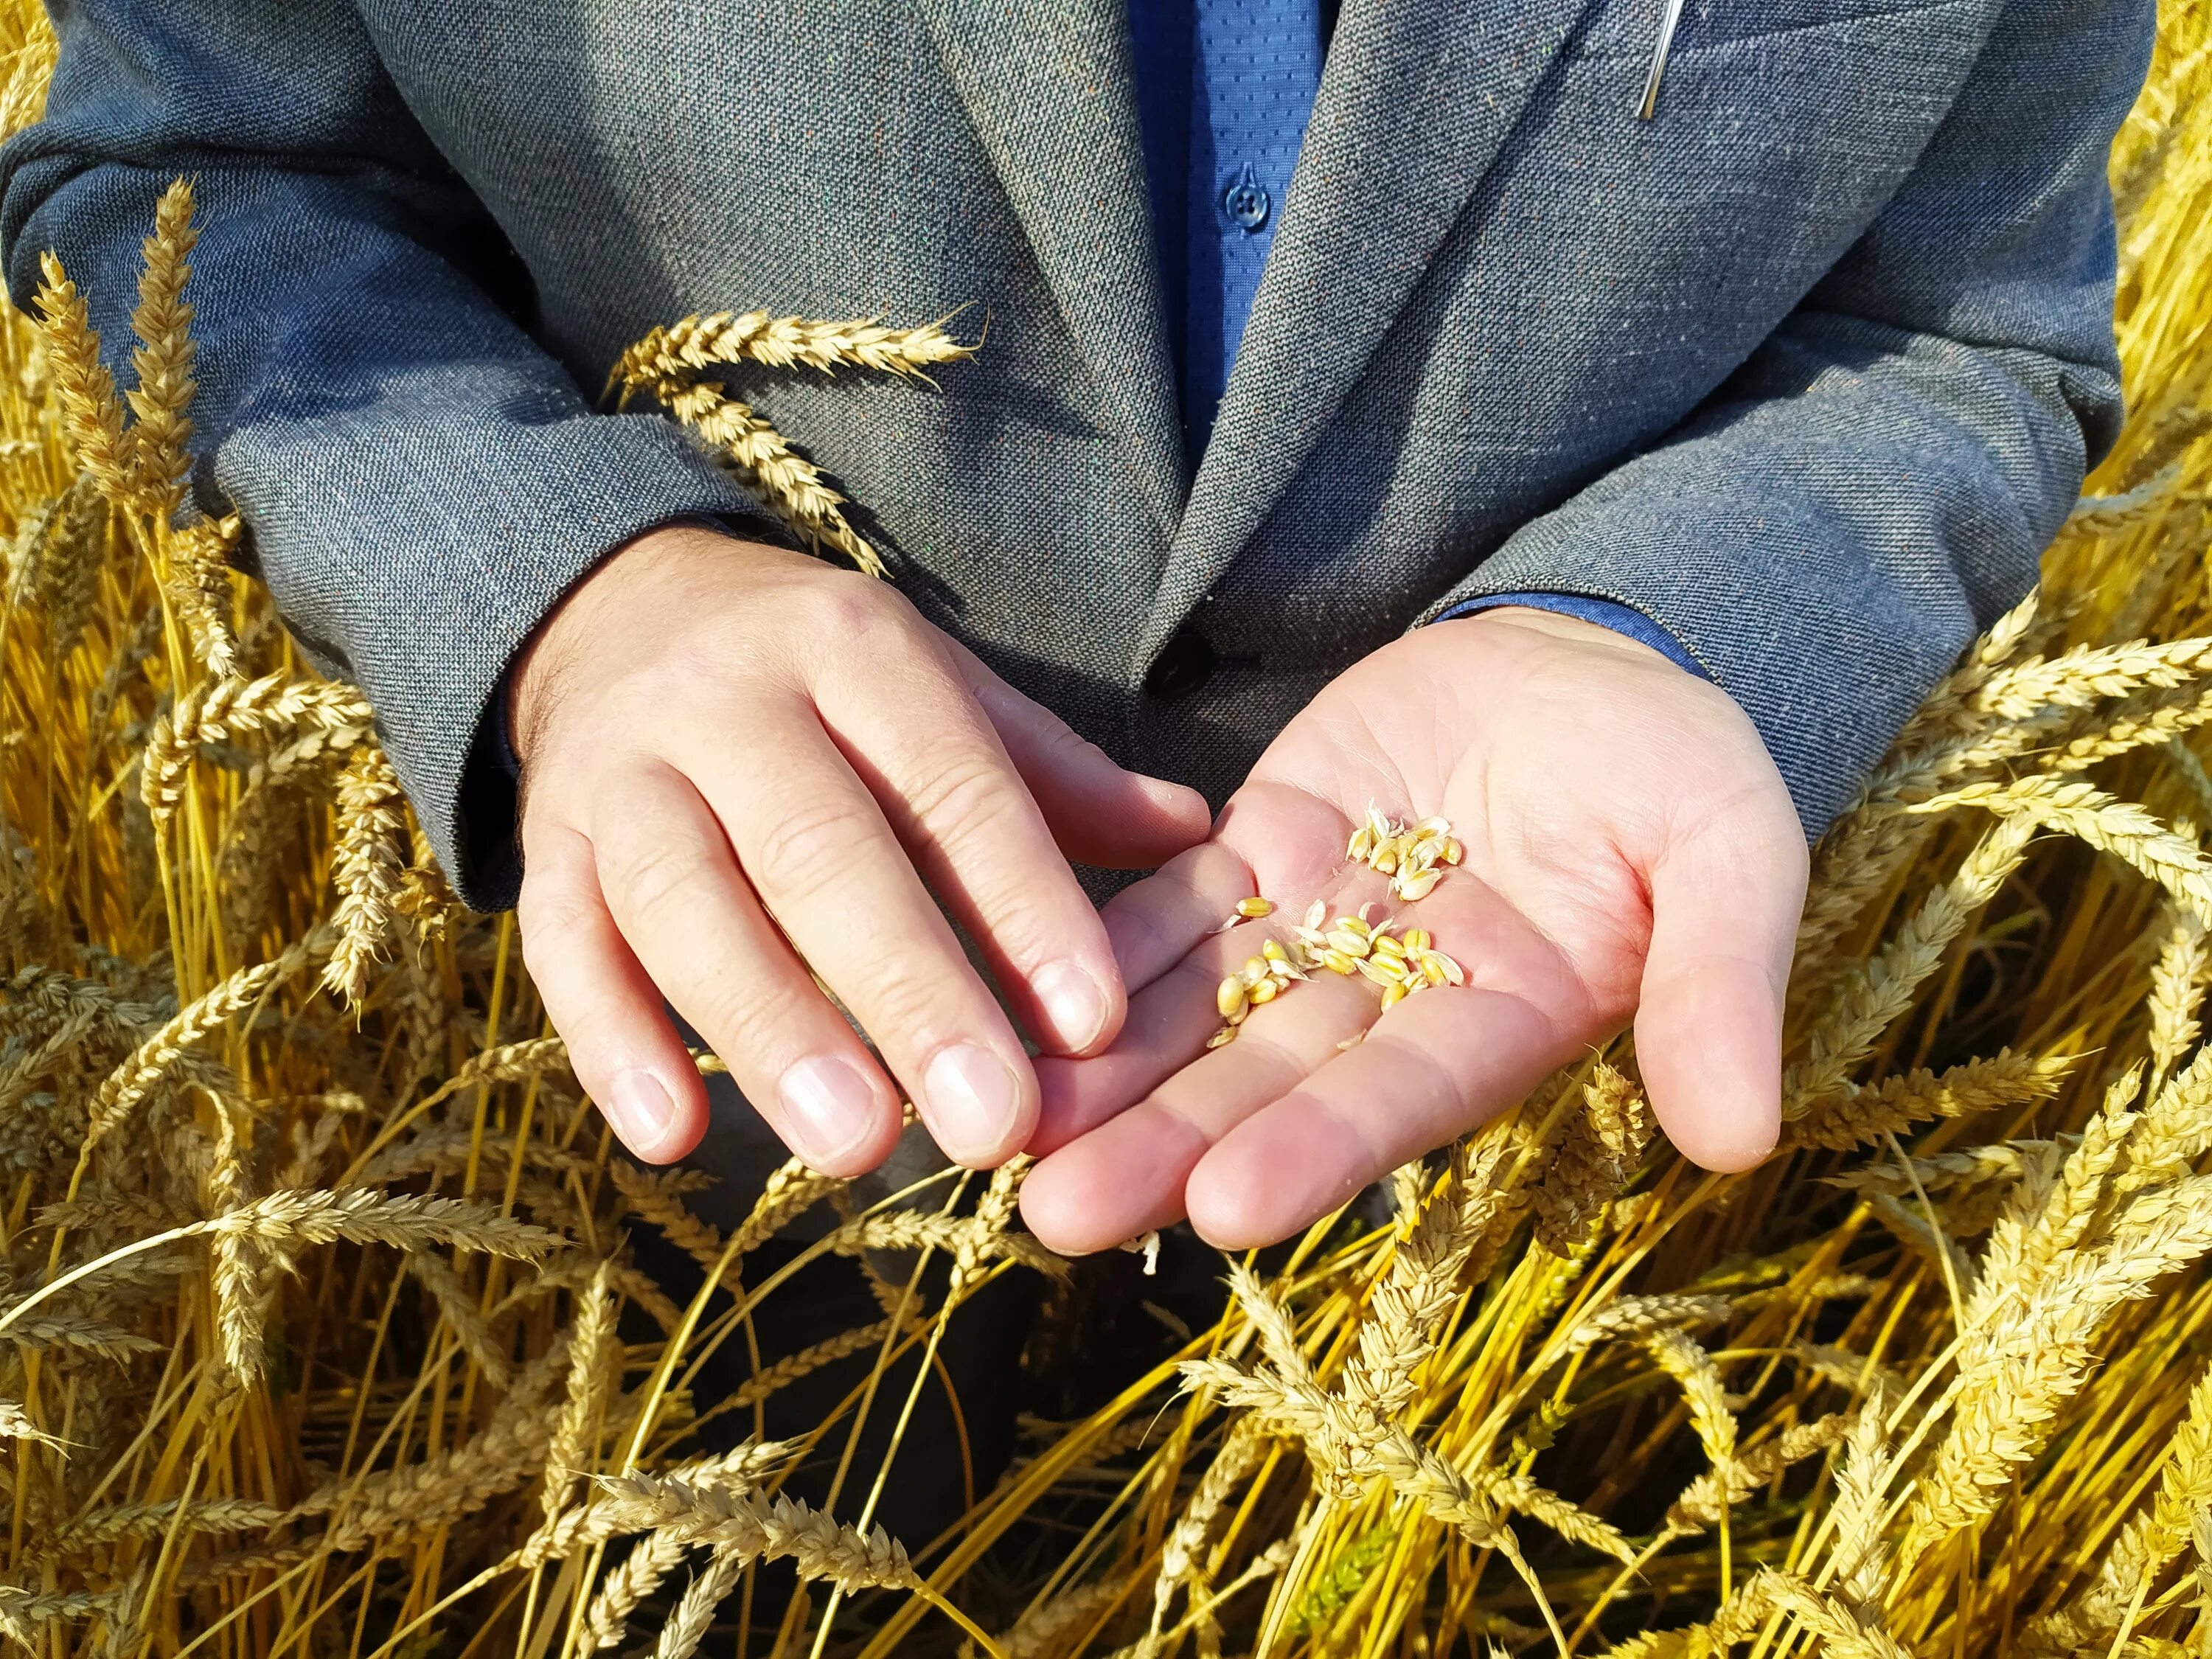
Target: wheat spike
657	1196
1604	1143
2085	673
130	1083
593	1360
1634	1317
794	488
2125	831
790	1191
1876	995
723	337
639	1574
695	1611
773	1378
367	869
458	1306
15	1424
1180	1567
2014	1371
2174	1128
161	460
1689	1365
1719	1489
237	1259
783	1529
1855	1116
409	1223
1861	1557
90	410
201	553
70	554
1422	1283
2152	1539
214	710
23	100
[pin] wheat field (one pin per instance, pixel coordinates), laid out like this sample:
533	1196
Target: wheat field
328	1326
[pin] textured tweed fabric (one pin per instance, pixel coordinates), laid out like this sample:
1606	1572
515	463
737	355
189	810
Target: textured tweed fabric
1806	368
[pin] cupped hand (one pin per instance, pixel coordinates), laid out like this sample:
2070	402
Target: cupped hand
1629	850
739	763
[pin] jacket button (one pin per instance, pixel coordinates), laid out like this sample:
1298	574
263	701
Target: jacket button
1185	664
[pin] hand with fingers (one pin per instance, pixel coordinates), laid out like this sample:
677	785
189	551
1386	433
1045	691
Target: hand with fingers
740	763
1628	850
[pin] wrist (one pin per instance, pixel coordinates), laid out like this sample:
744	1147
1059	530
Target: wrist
1528	619
582	618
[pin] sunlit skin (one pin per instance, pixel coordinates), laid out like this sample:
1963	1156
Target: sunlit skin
740	762
1631	852
1628	844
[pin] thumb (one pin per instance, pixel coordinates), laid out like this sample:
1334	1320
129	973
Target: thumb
1099	813
1725	901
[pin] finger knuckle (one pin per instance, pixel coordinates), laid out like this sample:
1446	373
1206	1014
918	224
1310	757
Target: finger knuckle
659	879
549	917
856	612
806	848
965	800
910	1005
759	1021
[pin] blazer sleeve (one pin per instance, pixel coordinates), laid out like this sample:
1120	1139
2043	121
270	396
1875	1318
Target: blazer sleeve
1875	484
422	482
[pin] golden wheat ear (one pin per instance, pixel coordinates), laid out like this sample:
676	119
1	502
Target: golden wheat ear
677	365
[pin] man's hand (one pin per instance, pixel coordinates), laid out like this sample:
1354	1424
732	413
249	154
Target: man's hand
1629	849
739	762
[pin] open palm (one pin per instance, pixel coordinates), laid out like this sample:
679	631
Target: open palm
1629	850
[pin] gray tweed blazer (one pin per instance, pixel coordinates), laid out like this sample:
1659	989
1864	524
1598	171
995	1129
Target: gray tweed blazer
1807	367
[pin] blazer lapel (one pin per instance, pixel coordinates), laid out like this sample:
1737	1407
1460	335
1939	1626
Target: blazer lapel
1048	85
1416	98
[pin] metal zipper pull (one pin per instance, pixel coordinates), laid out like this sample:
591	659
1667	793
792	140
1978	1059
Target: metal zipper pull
1668	19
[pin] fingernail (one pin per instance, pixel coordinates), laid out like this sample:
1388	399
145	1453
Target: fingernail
971	1097
828	1106
640	1111
1073	1002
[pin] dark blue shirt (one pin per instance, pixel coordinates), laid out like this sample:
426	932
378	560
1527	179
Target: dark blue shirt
1224	88
1223	91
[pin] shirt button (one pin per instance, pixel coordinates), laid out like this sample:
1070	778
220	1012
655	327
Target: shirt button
1247	202
1185	664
